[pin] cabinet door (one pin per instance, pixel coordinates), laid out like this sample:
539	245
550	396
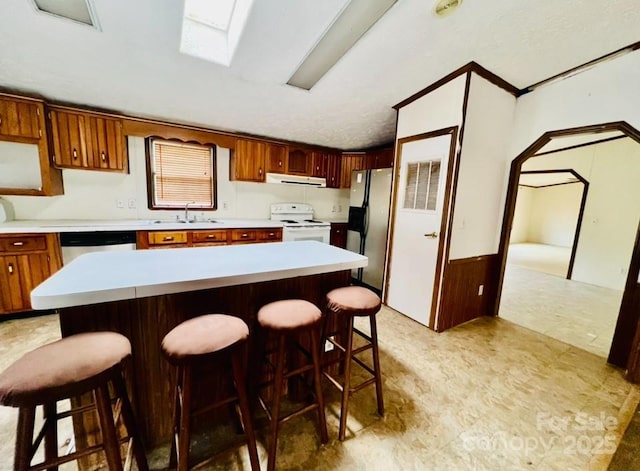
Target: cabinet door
106	146
298	162
276	158
248	161
383	158
350	162
19	118
68	139
19	275
333	170
339	234
319	162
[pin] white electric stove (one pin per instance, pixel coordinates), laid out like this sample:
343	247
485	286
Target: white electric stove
298	222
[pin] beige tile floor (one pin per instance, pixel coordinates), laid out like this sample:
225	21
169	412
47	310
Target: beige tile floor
540	257
486	395
577	313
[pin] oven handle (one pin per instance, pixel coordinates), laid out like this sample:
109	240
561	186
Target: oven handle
309	228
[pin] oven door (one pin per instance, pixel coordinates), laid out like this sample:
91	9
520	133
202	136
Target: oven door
321	234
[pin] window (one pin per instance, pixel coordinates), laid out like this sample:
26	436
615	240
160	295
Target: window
180	173
421	190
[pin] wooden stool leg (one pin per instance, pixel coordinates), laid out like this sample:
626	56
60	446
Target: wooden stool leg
240	378
173	454
184	431
277	396
24	438
346	385
51	435
317	381
109	436
376	364
130	423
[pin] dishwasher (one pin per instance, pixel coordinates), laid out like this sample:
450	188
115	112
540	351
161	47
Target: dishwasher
75	244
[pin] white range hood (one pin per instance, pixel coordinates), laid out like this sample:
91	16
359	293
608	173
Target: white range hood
296	180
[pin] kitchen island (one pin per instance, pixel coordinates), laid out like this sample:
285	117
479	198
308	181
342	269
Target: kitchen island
144	294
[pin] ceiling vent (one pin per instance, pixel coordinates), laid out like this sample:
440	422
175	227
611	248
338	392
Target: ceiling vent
80	11
446	7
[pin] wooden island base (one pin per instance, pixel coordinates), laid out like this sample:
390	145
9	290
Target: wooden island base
145	321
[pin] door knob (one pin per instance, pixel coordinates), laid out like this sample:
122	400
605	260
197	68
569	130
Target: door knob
432	235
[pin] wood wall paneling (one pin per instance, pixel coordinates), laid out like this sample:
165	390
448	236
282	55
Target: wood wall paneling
460	300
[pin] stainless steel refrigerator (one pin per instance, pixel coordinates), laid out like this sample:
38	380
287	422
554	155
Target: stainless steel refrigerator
369	222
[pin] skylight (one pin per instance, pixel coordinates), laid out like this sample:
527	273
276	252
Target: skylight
211	30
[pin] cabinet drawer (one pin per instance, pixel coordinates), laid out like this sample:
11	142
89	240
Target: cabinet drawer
167	238
23	244
200	237
270	234
239	235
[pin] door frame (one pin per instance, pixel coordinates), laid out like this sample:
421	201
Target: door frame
625	348
583	202
445	227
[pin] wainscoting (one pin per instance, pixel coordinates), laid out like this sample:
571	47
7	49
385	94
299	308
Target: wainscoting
462	280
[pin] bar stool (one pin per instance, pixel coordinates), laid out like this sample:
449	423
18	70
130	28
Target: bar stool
288	320
67	368
351	302
213	337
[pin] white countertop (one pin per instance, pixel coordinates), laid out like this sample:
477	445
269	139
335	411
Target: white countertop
68	225
111	276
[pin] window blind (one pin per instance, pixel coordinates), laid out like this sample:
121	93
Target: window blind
181	174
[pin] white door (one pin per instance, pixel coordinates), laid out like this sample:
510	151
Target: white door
416	231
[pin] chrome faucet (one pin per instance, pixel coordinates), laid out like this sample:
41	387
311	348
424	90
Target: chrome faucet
186	210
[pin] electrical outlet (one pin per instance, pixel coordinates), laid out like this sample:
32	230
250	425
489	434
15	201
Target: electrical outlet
334	209
480	290
119	203
225	205
132	203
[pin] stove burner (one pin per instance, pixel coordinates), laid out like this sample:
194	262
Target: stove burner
313	221
290	221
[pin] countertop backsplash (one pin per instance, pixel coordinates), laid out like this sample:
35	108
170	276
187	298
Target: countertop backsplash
98	195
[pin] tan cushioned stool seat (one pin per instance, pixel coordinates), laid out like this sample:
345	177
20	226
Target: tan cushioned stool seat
288	314
203	335
354	300
44	373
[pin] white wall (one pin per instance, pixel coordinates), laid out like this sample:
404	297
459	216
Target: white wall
93	195
442	108
521	216
479	200
554	214
612	211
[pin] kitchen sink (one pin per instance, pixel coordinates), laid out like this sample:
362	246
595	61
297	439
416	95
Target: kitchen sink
181	221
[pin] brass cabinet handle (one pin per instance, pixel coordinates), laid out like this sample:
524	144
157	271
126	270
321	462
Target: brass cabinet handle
211	236
104	158
17	244
260	171
279	163
75	154
245	235
432	235
0	120
10	267
167	238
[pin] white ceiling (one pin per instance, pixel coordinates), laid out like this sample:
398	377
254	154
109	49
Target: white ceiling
133	64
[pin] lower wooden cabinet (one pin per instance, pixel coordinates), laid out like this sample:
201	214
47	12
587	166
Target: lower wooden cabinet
338	236
204	237
26	260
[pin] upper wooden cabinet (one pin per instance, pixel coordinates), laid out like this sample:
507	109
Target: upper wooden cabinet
87	141
350	162
333	170
248	161
24	151
382	158
298	162
277	156
319	162
20	118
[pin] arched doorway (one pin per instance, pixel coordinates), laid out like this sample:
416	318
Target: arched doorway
625	347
